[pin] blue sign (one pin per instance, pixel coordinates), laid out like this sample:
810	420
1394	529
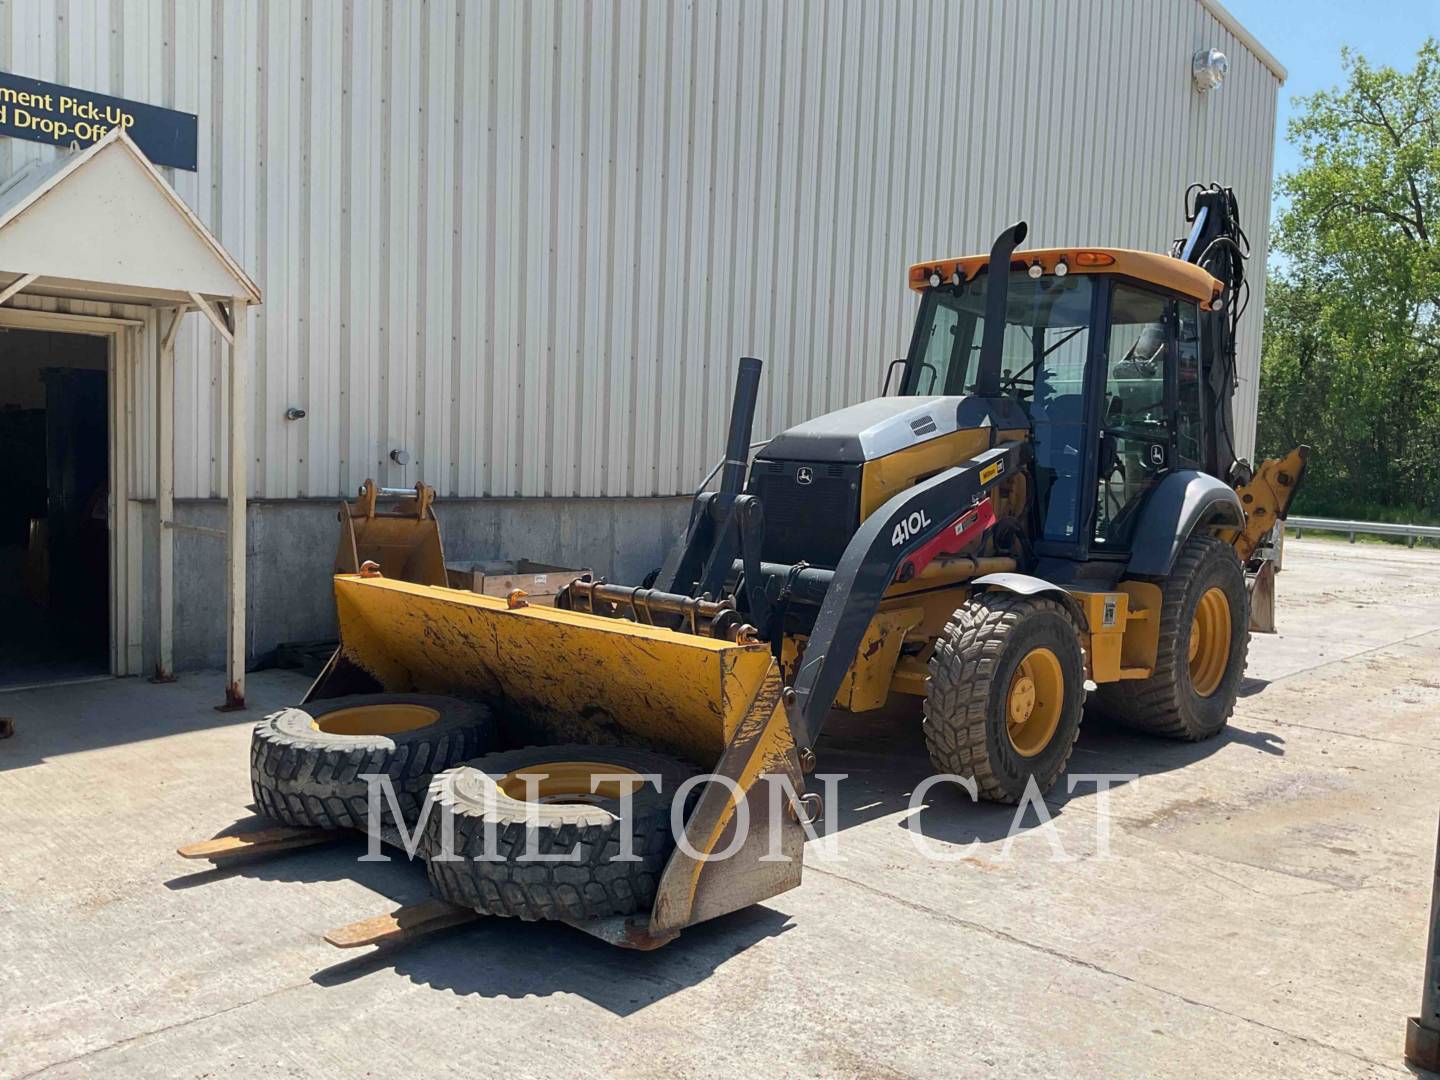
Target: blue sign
64	116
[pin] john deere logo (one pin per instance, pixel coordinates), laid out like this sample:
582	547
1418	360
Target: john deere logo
803	475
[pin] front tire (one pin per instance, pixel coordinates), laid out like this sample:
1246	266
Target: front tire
1204	643
1005	694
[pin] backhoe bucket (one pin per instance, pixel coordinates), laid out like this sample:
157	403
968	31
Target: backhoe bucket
567	676
404	541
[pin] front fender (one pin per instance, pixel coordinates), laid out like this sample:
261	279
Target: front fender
1184	501
1026	585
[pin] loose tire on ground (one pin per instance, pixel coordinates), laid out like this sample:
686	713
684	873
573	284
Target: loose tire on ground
302	774
1203	597
493	874
1005	692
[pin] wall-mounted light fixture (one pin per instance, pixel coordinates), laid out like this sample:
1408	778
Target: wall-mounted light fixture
293	413
1208	68
400	457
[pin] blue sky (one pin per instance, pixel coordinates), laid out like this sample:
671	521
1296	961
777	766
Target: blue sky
1306	35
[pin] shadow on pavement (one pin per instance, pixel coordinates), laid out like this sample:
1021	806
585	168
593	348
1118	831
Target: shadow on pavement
339	859
53	721
509	958
1250	686
884	755
495	957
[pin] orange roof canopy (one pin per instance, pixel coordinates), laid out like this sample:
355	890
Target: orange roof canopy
1163	271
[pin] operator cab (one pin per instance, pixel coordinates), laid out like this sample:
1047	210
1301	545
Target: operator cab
1101	351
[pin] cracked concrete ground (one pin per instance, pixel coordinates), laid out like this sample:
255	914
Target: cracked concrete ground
1261	912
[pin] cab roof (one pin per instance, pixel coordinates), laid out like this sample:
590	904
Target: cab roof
1163	271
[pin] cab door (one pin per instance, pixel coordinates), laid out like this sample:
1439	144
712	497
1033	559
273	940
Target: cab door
1139	436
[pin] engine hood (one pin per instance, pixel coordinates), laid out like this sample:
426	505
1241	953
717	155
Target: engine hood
875	429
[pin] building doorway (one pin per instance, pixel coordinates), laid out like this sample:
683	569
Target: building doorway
54	528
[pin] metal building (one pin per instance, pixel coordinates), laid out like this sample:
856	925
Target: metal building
515	249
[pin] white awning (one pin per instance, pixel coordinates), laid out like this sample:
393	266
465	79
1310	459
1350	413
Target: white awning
103	225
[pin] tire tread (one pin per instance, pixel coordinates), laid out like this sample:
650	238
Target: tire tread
1155	705
310	783
957	690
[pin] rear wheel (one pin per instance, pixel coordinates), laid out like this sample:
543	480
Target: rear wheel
1204	642
1005	693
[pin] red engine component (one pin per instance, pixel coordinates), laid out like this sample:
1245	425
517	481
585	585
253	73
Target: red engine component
957	538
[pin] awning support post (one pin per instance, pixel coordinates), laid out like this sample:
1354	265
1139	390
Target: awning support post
239	339
165	494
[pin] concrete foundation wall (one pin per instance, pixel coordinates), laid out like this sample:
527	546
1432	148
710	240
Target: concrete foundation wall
291	550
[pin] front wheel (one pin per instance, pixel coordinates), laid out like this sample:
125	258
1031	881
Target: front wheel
1005	693
1204	643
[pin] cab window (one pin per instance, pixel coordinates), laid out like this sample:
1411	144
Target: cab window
1135	424
1188	425
1043	357
939	343
943	345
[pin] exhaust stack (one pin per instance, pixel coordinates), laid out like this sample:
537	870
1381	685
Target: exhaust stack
987	383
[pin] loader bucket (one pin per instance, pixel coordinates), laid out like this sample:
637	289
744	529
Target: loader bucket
568	676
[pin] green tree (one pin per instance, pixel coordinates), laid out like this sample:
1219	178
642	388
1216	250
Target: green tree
1351	357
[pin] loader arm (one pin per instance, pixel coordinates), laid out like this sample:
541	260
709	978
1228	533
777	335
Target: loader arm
912	520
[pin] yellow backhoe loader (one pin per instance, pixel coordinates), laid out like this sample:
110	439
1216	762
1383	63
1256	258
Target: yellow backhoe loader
1047	507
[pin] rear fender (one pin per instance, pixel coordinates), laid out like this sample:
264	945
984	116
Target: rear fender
1184	501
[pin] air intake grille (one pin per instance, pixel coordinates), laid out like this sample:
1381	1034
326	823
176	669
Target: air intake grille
807	521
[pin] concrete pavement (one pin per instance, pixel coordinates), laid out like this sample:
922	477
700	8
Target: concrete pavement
1261	911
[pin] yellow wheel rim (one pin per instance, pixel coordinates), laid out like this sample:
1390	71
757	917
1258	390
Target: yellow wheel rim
567	782
1210	642
1033	702
375	720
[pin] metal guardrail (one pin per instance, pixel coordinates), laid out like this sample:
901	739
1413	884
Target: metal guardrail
1367	528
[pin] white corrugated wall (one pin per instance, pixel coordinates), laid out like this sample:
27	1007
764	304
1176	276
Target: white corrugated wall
525	242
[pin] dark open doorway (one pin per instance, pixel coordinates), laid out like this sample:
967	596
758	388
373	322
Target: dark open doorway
54	535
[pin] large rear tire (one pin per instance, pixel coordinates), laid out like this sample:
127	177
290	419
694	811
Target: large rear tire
307	764
576	832
1005	693
1204	643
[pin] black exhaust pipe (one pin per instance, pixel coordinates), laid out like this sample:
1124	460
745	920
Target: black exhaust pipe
742	418
987	382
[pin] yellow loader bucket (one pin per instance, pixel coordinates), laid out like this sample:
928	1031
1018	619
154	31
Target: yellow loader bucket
570	676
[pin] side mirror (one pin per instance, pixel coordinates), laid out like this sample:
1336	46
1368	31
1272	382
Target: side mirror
890	373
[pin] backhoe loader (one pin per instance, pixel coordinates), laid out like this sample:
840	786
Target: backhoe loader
1045	507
